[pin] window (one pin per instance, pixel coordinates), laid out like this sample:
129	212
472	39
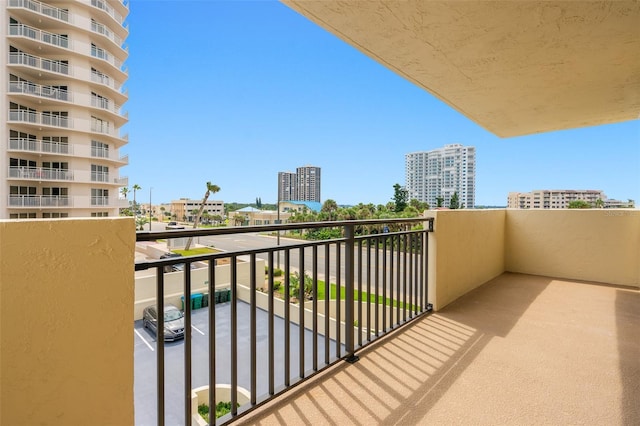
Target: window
55	191
57	165
99	101
55	144
99	197
19	112
22	216
99	125
54	215
99	149
99	173
22	141
55	118
100	214
19	162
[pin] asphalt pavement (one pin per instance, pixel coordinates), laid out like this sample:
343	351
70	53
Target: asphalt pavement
145	359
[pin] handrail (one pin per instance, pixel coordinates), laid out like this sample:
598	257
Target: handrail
380	283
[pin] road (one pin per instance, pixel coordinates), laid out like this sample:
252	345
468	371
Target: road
251	241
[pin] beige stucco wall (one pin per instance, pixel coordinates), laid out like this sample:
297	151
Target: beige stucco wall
465	251
66	315
593	245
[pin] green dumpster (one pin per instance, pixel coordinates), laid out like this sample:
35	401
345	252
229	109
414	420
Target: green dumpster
196	301
205	300
216	297
228	295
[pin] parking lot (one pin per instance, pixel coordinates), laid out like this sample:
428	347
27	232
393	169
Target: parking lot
145	359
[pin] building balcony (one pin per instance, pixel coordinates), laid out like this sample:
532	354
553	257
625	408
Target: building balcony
34	34
536	319
63	149
32	89
31	201
39	64
42	174
45	10
107	9
38	118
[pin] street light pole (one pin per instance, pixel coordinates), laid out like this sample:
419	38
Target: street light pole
150	188
278	232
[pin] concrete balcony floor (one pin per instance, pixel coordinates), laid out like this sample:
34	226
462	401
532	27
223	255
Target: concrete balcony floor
519	350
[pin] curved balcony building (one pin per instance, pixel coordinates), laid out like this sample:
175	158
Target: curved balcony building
63	73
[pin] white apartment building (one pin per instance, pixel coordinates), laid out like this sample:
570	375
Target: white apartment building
441	173
560	199
62	71
303	185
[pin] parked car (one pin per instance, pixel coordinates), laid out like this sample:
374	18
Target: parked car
175	267
173	321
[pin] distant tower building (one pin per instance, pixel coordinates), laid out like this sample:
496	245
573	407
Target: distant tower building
287	186
308	183
441	173
304	185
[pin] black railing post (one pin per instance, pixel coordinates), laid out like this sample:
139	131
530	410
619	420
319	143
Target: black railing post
349	317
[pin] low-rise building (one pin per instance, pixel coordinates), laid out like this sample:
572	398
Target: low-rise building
183	209
560	199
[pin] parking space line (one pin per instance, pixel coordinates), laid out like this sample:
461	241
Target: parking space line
196	329
143	339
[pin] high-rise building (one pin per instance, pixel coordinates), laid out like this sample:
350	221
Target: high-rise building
304	185
62	66
287	186
308	183
440	173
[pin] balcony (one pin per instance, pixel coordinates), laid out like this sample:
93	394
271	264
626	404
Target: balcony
32	89
105	7
35	34
33	117
506	344
78	176
31	201
59	148
40	64
41	8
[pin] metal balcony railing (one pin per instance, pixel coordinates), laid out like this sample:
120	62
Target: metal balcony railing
20	58
34	145
48	92
39	35
38	7
378	269
33	117
103	5
39	201
39	173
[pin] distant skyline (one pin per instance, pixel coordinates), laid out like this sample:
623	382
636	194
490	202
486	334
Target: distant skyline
234	92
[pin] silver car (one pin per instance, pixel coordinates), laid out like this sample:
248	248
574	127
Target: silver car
173	321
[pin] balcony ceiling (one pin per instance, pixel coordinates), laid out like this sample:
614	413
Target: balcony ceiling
513	67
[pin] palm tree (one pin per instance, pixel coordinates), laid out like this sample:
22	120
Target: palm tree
124	191
210	188
135	188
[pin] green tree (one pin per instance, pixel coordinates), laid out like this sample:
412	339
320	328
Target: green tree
135	188
330	207
439	201
211	188
599	203
400	197
419	205
454	203
579	204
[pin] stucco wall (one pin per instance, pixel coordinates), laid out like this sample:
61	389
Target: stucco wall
465	251
593	245
66	312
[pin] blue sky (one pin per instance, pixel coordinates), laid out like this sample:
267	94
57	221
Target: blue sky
233	92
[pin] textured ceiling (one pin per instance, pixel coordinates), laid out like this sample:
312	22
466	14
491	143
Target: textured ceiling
514	67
